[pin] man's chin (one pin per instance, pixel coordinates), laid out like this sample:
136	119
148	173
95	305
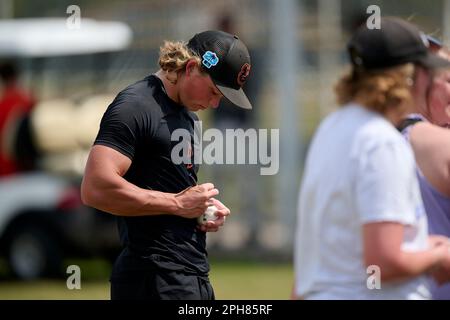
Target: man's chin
196	108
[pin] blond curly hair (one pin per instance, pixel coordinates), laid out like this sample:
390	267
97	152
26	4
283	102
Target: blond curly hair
173	57
379	90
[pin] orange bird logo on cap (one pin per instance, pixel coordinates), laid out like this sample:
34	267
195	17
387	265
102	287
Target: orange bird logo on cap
243	74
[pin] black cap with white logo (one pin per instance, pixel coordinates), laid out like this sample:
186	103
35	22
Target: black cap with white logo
395	43
226	59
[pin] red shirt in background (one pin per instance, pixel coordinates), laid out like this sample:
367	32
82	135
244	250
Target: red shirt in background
14	104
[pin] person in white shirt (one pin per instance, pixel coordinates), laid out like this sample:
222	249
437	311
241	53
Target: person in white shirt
362	229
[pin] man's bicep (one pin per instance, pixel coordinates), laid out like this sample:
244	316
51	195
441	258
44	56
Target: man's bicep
103	176
104	160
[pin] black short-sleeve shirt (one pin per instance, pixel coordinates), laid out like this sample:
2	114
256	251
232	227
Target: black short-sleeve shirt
139	124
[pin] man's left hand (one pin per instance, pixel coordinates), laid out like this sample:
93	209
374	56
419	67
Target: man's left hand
221	213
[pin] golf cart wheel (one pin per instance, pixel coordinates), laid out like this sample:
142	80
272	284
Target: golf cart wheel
33	253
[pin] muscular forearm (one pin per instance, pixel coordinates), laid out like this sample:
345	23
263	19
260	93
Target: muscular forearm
119	197
104	188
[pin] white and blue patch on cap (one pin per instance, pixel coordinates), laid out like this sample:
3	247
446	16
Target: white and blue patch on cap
210	59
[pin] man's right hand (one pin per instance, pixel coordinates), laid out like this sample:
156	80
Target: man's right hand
193	201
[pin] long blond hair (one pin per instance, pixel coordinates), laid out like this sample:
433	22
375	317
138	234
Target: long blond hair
379	90
173	57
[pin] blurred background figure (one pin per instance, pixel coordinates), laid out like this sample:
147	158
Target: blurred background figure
429	135
359	205
15	105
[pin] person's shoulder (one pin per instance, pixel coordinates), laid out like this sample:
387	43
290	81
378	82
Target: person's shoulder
424	130
428	137
431	145
361	123
140	92
138	97
376	134
379	128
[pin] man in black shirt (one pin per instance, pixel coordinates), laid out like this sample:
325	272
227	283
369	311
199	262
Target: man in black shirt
130	171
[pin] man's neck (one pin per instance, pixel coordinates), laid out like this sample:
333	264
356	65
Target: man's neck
170	87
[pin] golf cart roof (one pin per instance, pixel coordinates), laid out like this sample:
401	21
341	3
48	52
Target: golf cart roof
46	37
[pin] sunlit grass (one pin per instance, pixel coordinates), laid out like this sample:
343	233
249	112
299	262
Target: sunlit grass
251	280
231	280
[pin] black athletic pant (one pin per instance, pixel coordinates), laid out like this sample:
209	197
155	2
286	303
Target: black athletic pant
135	278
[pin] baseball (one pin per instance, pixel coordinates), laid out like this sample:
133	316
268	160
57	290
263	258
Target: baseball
209	215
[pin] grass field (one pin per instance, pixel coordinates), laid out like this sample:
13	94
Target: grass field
231	280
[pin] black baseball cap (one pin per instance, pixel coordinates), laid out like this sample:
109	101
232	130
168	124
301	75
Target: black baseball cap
226	59
395	43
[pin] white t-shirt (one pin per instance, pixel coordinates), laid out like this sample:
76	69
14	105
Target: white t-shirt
359	170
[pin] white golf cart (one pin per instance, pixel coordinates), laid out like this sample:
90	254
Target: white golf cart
42	220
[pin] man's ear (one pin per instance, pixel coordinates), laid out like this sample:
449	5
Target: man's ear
191	65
